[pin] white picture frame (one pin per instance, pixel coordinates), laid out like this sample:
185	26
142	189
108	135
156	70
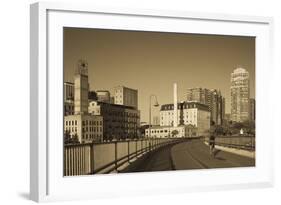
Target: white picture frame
46	176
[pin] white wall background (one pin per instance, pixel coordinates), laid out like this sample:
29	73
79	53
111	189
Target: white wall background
14	103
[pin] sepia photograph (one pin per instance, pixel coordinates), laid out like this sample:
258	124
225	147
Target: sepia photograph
143	101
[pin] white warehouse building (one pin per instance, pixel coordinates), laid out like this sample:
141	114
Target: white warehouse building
170	131
188	113
185	119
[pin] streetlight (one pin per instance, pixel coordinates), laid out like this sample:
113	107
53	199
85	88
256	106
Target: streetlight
155	105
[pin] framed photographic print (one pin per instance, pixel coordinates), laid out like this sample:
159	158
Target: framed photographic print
151	101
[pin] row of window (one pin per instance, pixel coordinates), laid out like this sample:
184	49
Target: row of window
185	106
122	114
159	136
157	131
185	117
86	129
90	136
84	122
186	112
72	122
72	129
171	122
90	122
92	129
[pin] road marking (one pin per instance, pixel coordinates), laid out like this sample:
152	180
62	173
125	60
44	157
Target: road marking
201	164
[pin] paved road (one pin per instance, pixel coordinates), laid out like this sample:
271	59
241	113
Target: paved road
195	155
159	160
192	154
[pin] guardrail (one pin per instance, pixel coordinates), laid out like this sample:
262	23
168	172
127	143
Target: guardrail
93	158
238	142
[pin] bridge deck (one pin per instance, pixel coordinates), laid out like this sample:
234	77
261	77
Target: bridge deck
159	160
192	154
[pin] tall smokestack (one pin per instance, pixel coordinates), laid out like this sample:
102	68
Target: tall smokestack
175	105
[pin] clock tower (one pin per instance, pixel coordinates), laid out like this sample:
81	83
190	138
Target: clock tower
81	88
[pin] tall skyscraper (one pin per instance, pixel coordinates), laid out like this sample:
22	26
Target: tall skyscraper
223	110
81	88
240	94
212	98
201	95
126	96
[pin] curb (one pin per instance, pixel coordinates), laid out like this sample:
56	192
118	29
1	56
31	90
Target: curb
240	152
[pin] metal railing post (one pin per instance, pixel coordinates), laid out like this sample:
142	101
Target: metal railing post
92	158
64	162
136	148
252	142
115	155
128	151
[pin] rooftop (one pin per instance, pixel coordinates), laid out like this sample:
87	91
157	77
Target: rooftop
185	105
114	105
240	70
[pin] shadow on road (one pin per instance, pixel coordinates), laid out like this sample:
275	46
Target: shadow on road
157	160
216	152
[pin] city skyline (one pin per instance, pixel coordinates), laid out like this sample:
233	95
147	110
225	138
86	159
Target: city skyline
156	60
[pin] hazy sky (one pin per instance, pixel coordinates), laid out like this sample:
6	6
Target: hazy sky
151	62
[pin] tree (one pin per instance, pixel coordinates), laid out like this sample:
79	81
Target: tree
70	140
174	133
217	130
238	125
67	137
235	127
75	139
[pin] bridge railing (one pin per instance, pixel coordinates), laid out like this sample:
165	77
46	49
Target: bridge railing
92	158
245	142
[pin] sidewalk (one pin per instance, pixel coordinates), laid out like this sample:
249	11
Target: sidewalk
245	153
196	155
